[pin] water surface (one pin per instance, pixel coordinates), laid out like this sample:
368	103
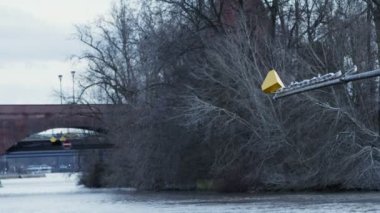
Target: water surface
59	193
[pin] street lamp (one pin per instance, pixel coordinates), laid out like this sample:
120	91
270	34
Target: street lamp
60	86
73	74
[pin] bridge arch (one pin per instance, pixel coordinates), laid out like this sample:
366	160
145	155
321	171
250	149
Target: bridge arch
20	121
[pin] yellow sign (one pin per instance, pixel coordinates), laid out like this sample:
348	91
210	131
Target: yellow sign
53	139
272	82
62	139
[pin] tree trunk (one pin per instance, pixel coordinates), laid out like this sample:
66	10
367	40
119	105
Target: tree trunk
376	19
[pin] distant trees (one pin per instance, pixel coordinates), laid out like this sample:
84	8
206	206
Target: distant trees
189	74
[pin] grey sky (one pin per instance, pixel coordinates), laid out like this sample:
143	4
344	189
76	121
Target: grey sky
36	42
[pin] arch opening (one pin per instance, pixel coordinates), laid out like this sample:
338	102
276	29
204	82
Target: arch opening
72	133
37	155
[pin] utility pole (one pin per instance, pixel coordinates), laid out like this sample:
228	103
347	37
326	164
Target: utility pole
60	86
73	74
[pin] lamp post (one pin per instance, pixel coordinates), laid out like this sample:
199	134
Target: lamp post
73	74
60	86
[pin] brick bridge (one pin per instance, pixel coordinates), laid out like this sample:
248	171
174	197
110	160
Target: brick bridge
19	121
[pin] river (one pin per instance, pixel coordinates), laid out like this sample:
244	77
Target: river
60	193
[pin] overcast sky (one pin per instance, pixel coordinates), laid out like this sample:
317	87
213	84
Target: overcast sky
36	42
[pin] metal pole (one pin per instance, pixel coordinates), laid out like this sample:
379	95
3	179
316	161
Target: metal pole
340	80
73	74
359	76
60	86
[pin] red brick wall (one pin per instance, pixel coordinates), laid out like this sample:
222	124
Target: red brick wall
254	10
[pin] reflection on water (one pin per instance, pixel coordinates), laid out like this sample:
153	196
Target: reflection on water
59	193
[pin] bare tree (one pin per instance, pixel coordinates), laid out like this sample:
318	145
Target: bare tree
112	56
192	71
